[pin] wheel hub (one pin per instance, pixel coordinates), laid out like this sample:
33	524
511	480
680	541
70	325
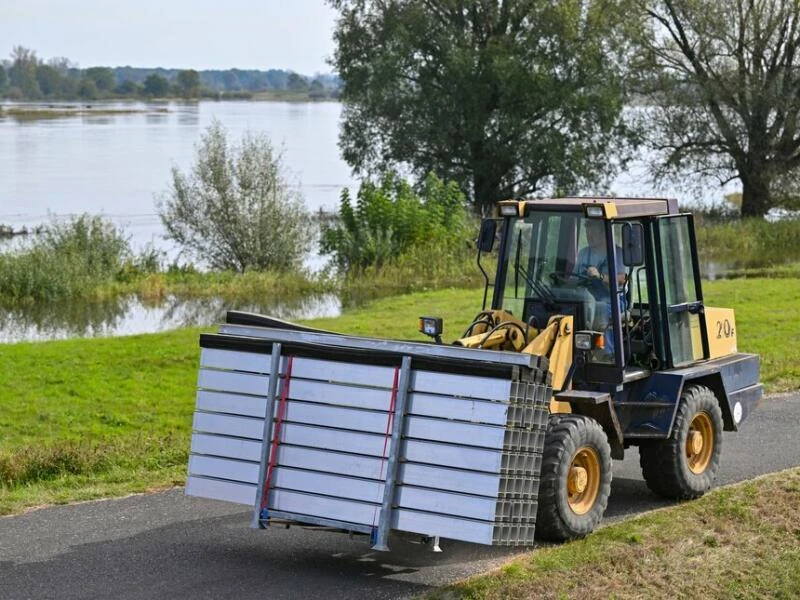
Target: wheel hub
700	443
583	480
578	479
695	442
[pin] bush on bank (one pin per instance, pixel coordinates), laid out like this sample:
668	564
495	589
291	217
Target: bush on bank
66	260
390	221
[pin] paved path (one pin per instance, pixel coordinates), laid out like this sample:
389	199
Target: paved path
169	546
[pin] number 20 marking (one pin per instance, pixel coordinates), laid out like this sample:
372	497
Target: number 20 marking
724	329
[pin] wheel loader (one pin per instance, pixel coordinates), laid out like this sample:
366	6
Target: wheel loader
595	338
636	357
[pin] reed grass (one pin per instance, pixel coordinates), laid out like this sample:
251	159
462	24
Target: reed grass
750	243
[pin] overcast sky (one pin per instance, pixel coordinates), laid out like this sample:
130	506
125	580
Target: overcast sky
199	34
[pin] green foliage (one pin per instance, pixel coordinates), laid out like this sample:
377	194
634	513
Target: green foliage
505	98
749	242
156	86
390	219
66	260
50	81
59	78
235	209
103	77
87	89
128	88
296	83
23	72
189	83
719	73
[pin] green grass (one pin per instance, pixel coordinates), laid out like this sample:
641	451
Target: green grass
750	243
88	418
741	541
767	323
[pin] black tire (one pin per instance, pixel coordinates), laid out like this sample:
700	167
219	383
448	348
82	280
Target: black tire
570	440
675	469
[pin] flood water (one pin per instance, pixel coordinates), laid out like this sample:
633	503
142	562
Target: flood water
116	166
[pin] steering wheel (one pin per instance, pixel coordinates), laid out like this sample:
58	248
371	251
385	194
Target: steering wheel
570	279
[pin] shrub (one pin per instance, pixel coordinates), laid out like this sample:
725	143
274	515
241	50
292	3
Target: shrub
235	210
64	260
390	219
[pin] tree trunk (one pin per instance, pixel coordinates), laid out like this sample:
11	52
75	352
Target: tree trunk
756	199
487	193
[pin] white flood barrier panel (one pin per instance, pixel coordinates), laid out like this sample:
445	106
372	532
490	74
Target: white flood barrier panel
370	435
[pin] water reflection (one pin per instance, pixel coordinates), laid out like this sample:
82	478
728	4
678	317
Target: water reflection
129	315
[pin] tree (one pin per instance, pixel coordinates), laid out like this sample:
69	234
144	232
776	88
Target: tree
3	80
87	89
726	92
103	78
128	88
511	97
156	86
390	219
50	80
296	83
189	83
235	209
23	72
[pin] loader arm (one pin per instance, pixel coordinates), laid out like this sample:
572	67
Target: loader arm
499	330
555	342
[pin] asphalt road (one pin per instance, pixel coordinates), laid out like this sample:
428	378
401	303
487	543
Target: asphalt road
169	546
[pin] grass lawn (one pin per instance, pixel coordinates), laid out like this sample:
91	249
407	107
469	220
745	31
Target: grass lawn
742	541
89	418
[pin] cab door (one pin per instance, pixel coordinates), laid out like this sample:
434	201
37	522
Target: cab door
679	286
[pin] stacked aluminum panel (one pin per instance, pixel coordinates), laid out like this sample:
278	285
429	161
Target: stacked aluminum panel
356	443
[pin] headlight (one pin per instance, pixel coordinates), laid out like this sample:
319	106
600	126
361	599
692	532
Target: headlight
583	340
589	340
431	326
595	211
509	210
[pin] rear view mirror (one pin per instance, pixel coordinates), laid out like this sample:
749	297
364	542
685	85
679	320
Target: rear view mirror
486	237
632	244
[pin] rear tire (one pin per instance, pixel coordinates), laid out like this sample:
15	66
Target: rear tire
575	479
685	465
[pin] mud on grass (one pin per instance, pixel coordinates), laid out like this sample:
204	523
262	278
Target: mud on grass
741	541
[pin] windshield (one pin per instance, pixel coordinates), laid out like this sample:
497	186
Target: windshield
557	263
541	247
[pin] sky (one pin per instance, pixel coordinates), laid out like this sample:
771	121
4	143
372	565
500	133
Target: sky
294	35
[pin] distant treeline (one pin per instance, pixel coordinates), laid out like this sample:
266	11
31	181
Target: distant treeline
27	77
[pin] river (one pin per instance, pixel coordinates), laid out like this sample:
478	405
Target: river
117	165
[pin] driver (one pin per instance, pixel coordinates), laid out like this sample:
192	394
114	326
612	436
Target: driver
592	263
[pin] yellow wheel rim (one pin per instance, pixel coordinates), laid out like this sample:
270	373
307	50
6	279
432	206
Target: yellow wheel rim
583	480
700	443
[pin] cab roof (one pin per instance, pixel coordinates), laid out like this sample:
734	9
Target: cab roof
612	207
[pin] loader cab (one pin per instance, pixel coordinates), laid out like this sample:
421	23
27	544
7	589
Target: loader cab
625	269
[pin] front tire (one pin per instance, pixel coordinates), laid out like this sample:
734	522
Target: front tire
685	465
575	480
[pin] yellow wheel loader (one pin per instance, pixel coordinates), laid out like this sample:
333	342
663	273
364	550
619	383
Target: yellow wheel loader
609	290
596	338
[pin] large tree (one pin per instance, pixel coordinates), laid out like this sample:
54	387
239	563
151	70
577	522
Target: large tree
156	85
22	73
103	78
506	97
726	92
189	83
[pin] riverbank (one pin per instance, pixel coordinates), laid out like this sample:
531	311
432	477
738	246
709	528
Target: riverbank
31	112
90	418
